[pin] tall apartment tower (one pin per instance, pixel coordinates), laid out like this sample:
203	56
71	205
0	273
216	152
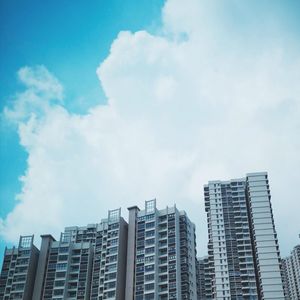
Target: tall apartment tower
151	258
64	269
19	270
86	263
161	254
109	239
291	274
199	280
243	247
204	279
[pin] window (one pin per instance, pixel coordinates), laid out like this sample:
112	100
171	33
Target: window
150	206
149	259
26	241
110	294
149	277
58	292
150	233
149	296
61	266
63	249
150	241
149	286
149	268
149	250
150	225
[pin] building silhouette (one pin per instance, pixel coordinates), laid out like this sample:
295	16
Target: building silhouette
153	256
291	274
161	260
18	270
243	249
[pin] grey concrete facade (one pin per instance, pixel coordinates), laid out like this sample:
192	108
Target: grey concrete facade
229	247
64	269
131	245
291	274
243	247
204	279
164	254
109	240
154	256
87	262
188	253
264	237
42	266
19	270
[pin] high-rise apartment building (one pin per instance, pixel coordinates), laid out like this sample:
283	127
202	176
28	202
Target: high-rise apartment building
243	247
109	239
154	256
229	246
64	269
161	262
291	274
19	270
204	278
264	237
86	263
151	258
200	279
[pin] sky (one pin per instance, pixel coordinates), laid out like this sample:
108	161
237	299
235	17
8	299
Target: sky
111	103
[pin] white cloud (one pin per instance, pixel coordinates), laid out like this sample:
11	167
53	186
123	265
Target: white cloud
183	108
41	81
43	90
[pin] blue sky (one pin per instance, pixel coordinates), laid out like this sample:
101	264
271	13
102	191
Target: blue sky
65	36
179	76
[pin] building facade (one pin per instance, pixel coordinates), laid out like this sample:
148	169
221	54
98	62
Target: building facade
264	237
87	262
291	274
19	270
243	247
204	278
161	262
65	271
151	258
109	240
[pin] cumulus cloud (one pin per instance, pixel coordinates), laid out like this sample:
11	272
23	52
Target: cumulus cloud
42	90
183	107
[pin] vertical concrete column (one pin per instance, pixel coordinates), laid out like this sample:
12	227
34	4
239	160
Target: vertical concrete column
130	269
47	239
265	242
